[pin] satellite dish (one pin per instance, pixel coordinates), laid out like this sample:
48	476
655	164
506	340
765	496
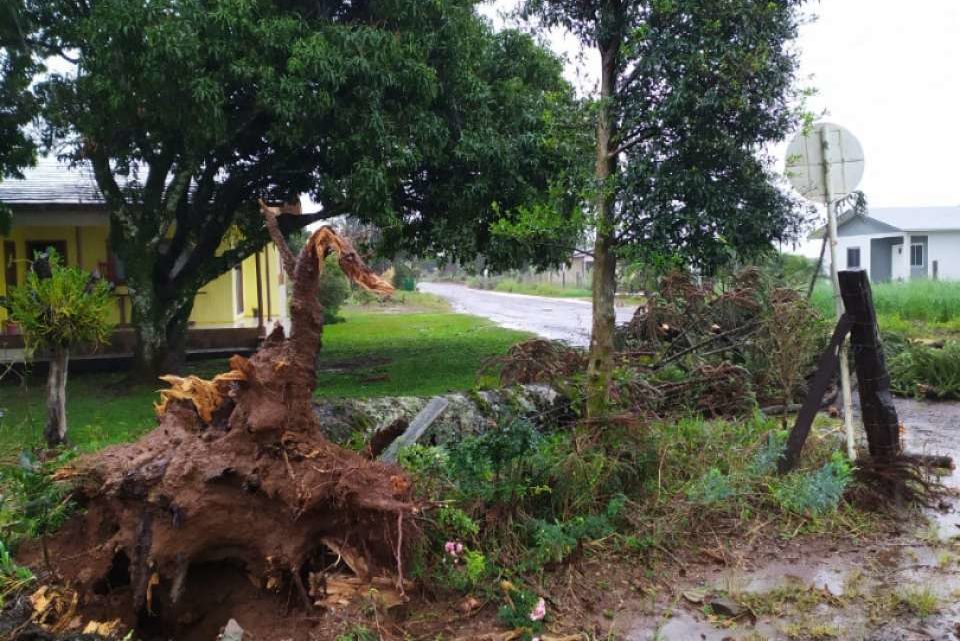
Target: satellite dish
830	181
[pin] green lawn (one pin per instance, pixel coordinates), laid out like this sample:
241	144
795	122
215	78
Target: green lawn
395	354
410	347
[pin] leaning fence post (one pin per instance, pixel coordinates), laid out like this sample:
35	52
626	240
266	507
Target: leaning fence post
876	401
826	367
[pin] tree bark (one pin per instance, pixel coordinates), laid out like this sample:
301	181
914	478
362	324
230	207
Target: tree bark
55	431
604	251
160	323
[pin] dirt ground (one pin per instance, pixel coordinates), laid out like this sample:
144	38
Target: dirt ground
899	583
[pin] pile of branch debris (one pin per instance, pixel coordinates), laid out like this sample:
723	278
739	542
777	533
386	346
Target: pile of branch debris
694	346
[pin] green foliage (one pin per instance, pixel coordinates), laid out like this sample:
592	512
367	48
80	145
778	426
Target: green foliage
932	302
32	504
514	499
814	493
923	371
404	276
69	308
13	577
515	613
334	290
713	487
416	117
695	90
18	105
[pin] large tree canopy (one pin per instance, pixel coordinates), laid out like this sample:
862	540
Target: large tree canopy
18	107
690	92
413	116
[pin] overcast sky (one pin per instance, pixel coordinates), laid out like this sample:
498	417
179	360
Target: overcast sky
887	70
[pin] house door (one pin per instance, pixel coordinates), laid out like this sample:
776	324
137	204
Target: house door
238	285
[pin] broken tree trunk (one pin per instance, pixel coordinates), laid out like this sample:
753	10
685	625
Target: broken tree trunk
236	486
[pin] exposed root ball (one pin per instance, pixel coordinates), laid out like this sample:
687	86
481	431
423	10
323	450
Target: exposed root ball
235	494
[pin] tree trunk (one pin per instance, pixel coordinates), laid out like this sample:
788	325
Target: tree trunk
55	431
604	256
160	325
160	347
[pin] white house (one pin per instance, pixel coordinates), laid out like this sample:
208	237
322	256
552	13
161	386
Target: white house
900	243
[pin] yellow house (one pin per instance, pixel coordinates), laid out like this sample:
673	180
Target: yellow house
61	207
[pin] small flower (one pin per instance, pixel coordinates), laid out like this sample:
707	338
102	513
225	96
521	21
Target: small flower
453	548
539	610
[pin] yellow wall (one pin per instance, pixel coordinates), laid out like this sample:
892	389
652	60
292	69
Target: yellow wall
215	303
92	246
269	278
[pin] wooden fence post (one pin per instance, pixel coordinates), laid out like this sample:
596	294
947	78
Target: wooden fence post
876	402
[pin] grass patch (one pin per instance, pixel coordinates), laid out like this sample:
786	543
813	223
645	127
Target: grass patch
398	354
920	601
541	289
514	286
418	353
915	308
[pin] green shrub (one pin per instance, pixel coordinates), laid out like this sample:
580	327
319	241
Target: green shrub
67	309
814	493
334	290
712	487
516	613
919	370
32	505
13	577
404	276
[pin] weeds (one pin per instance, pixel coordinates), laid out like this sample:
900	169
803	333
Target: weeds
929	301
13	577
922	371
920	601
32	504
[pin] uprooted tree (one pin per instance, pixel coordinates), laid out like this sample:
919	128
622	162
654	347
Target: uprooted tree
237	474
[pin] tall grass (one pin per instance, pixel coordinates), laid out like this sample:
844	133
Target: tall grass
927	301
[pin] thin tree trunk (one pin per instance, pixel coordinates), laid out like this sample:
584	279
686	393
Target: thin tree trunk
604	255
55	431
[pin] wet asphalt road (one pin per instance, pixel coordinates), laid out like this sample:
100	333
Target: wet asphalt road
554	318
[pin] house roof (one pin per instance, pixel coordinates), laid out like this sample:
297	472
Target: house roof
51	182
904	219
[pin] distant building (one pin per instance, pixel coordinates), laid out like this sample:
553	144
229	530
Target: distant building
900	243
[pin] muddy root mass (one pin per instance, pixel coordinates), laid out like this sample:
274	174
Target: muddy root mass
236	494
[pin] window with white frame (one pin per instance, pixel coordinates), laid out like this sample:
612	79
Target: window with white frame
853	258
916	255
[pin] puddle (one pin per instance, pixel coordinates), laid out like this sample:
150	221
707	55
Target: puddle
686	626
924	561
